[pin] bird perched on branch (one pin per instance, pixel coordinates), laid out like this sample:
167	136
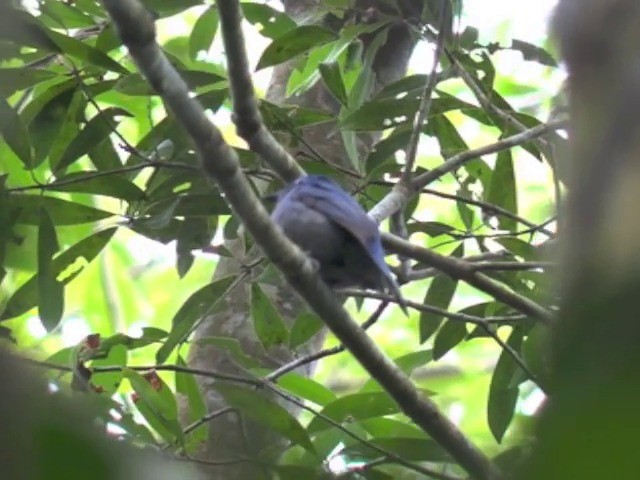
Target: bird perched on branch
333	229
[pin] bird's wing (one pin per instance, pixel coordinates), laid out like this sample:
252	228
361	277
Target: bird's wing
323	195
326	197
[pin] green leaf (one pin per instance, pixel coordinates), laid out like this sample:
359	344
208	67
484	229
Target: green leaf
332	78
439	295
273	23
254	404
72	261
306	325
156	403
409	449
448	336
197	408
357	406
385	150
13	80
407	363
56	133
203	33
533	53
306	388
67	16
503	191
110	381
192	205
62	212
15	133
168	8
158	396
503	391
519	247
268	324
82	51
191	311
50	290
294	42
94	132
232	347
451	142
88	182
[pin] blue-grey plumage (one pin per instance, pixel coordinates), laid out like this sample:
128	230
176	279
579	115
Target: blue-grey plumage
332	228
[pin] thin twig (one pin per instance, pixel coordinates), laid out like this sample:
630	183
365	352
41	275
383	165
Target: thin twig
461	270
298	362
456	161
425	104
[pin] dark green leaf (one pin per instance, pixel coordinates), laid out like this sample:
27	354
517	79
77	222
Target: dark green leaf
65	15
93	133
503	191
187	386
386	148
332	78
157	404
503	391
82	51
451	142
110	381
16	79
168	8
15	133
87	182
268	324
232	347
272	23
533	52
294	42
409	449
407	363
196	306
307	324
306	388
56	133
193	205
519	247
62	212
76	256
439	295
448	336
24	29
254	404
50	290
203	33
357	406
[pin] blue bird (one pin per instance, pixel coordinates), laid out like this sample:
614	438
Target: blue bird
333	229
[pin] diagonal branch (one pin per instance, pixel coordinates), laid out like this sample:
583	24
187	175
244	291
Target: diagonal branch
400	196
220	162
245	105
463	270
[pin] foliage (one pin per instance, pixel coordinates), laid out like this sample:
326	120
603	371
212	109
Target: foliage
101	187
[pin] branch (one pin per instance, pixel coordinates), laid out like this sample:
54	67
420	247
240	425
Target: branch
460	159
462	270
425	104
488	207
401	194
250	379
245	105
327	352
136	28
